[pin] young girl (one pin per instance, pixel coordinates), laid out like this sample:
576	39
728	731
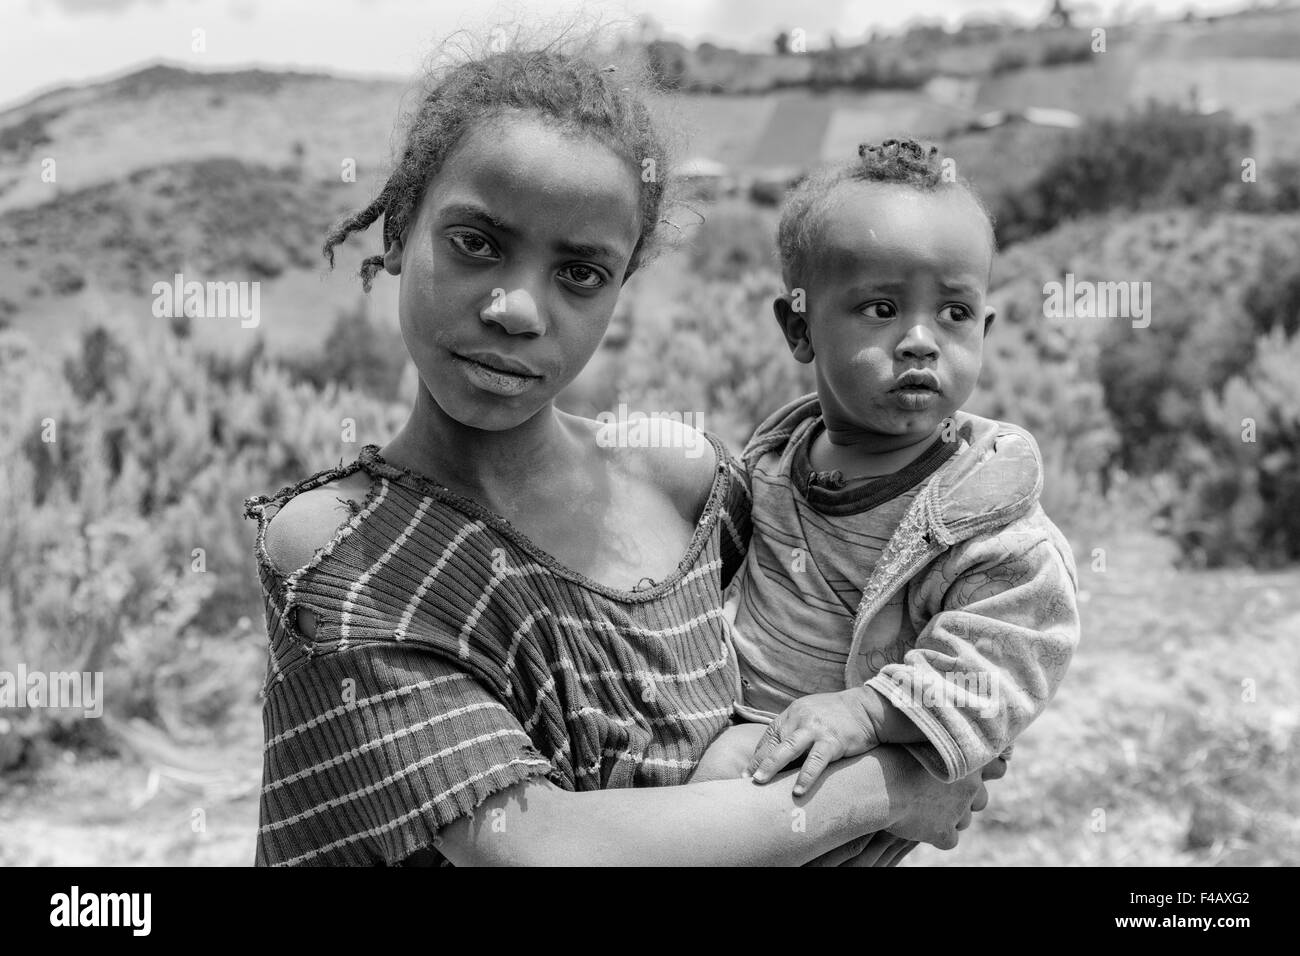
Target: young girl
497	635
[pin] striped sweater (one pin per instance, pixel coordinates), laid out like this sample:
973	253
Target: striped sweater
453	659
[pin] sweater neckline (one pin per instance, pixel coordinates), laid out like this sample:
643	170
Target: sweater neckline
377	466
834	495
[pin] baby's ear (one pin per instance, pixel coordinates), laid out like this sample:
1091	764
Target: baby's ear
393	258
990	314
790	309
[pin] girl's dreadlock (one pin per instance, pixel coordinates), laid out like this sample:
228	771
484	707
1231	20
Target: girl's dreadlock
565	88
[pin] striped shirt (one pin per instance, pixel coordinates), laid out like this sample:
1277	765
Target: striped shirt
453	659
815	544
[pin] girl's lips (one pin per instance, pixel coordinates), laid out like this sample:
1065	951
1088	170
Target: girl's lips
496	381
498	363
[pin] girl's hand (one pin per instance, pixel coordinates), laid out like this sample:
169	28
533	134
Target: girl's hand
884	848
875	849
827	726
936	812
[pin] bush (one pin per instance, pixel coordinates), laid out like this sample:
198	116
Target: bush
715	352
358	353
734	240
1059	53
1209	310
1160	156
1008	60
1273	298
123	470
1240	485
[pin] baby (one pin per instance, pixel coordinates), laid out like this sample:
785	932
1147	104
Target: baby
903	585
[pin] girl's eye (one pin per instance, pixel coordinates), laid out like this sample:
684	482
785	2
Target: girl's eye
472	245
879	310
956	313
584	277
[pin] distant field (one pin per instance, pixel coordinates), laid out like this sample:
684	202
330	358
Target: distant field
1100	87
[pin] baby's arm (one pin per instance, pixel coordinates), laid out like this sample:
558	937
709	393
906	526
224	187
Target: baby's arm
1003	630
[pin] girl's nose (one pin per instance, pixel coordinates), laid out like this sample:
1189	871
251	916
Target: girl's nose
515	312
918	344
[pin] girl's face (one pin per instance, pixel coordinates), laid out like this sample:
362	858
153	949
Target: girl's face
512	267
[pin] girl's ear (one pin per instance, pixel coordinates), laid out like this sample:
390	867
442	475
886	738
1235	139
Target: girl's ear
793	326
393	258
989	315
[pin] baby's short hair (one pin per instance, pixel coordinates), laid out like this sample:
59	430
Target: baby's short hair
904	162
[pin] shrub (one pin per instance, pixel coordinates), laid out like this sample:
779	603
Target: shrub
734	240
1159	156
715	351
357	353
1239	498
1008	60
123	470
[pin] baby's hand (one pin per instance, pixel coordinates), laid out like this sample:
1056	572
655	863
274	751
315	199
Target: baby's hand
832	725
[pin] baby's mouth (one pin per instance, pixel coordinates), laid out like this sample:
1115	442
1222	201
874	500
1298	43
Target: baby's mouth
916	381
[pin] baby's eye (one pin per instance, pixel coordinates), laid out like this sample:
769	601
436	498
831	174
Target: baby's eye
956	313
582	276
879	310
472	245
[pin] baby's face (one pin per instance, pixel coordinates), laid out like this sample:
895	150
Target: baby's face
895	310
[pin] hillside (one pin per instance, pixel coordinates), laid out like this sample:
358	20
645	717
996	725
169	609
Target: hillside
237	175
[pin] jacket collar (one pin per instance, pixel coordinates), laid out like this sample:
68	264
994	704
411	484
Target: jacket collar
993	479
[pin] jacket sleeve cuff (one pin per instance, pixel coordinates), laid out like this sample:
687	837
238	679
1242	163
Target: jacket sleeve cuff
941	755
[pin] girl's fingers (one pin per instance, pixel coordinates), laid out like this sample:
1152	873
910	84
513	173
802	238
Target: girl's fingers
823	754
786	750
995	769
843	855
905	847
877	849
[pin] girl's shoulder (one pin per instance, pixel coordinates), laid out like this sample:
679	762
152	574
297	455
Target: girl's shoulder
673	455
297	521
310	519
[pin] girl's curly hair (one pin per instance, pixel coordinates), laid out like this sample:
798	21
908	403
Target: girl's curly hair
904	162
566	88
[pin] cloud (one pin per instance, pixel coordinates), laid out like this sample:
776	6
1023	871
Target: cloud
76	7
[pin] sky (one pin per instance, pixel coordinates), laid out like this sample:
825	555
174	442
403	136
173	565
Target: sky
52	42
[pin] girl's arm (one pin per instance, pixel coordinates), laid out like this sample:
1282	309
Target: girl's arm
718	823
